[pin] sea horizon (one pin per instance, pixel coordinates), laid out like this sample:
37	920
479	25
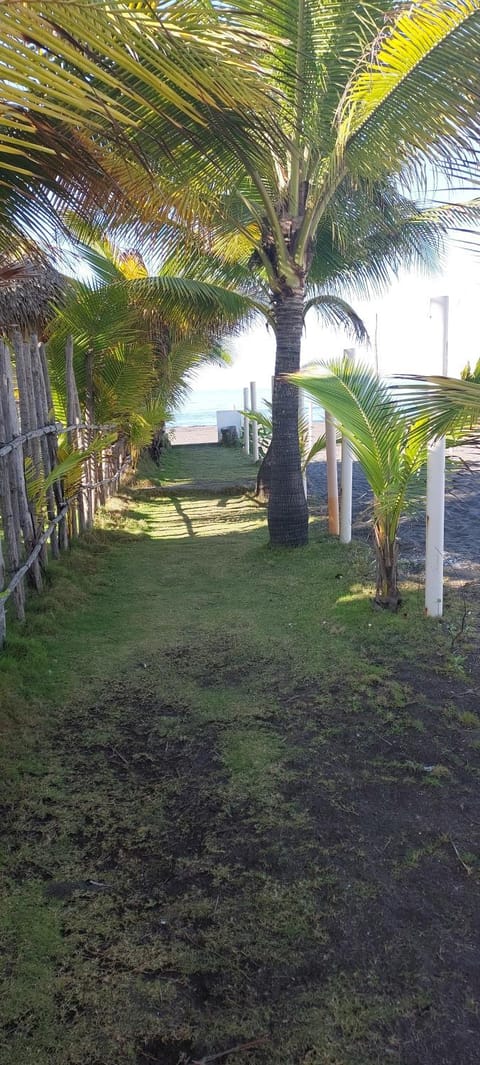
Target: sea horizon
201	406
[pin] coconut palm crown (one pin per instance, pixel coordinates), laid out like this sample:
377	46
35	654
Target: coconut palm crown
375	98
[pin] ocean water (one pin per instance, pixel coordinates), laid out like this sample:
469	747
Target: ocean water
200	407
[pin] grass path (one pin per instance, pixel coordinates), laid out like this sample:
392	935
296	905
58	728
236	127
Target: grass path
241	806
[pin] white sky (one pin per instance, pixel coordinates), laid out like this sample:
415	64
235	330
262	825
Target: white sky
408	336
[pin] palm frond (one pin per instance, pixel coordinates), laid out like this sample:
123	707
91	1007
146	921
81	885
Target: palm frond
336	312
390	446
451	406
413	99
190	303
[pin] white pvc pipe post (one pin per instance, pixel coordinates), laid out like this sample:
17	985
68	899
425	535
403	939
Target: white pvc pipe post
346	479
246	423
253	405
436	491
332	477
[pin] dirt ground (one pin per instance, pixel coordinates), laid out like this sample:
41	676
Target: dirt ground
328	914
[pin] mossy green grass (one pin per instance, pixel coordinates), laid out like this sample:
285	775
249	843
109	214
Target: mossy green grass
218	761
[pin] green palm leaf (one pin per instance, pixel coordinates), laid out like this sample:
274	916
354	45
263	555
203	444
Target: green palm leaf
336	312
94	95
390	446
416	99
451	406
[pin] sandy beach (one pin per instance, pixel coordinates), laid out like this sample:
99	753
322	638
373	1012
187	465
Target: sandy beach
207	434
193	434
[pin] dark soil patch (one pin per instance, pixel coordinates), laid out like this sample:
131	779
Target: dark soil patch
462	515
235	854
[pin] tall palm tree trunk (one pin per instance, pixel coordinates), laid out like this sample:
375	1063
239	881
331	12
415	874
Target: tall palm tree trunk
287	510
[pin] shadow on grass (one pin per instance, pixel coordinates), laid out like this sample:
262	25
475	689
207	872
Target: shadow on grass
175	501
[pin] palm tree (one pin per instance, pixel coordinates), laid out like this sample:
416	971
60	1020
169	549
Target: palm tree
136	337
307	452
296	162
92	93
390	446
372	96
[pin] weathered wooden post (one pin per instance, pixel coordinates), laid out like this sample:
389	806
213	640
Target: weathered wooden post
9	510
41	412
75	437
52	444
346	479
435	516
29	424
253	405
3	619
90	421
17	474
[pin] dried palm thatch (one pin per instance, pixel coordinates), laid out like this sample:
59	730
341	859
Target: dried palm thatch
28	290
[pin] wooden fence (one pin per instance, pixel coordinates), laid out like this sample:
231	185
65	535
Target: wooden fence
38	515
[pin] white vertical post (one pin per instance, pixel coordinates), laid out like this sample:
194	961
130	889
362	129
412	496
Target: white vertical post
436	492
332	478
253	405
346	480
246	423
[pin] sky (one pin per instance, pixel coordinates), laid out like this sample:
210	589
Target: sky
408	331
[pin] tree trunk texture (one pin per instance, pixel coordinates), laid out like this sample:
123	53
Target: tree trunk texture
287	510
386	553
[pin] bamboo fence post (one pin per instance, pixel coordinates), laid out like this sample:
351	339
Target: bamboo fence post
3	620
17	341
25	379
13	430
75	437
41	415
103	476
31	406
10	517
52	443
90	420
